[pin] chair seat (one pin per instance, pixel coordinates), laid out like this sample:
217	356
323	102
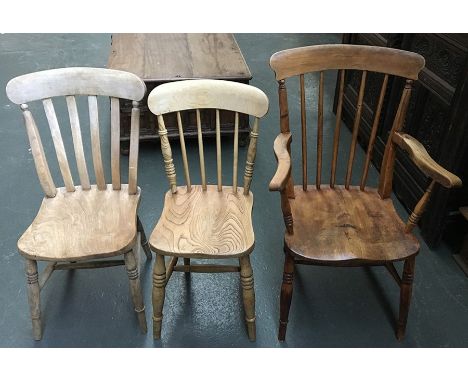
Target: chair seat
349	226
82	225
205	224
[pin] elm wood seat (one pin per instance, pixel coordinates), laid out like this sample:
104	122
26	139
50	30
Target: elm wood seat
67	226
76	224
206	221
348	225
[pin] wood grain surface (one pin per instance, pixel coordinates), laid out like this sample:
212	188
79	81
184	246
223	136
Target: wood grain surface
339	225
296	61
82	225
176	56
205	223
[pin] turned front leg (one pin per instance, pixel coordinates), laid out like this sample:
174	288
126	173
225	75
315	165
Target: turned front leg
286	295
406	289
34	290
135	289
159	290
248	295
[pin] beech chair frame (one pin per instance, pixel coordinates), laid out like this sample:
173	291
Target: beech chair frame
48	238
299	240
176	233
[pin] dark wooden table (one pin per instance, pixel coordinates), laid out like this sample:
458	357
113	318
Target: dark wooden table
165	57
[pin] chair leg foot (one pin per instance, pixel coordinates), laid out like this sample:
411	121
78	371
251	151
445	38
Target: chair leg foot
135	289
286	295
248	295
405	297
32	278
144	240
159	290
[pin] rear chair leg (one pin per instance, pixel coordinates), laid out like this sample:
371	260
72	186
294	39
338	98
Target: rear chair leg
143	240
187	262
159	290
32	278
405	296
286	295
248	295
135	289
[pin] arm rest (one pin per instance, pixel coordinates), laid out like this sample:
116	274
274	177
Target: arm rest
425	163
280	147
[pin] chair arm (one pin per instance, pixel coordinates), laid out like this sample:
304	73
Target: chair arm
281	149
425	163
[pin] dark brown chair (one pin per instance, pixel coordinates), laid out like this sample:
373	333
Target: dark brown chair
349	225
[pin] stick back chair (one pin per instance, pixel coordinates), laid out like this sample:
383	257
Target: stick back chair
206	221
346	225
77	224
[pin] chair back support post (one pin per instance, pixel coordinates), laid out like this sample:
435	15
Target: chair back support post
388	161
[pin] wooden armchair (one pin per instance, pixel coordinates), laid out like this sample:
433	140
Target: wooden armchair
206	221
78	224
348	225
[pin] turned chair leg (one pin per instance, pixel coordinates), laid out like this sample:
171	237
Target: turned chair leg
248	295
405	296
135	289
34	290
143	239
159	290
286	295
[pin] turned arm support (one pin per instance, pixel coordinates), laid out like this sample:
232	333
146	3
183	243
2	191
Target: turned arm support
425	163
281	149
430	168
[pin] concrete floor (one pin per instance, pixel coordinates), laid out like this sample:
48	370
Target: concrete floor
331	307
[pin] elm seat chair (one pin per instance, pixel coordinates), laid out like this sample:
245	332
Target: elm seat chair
78	224
346	225
206	221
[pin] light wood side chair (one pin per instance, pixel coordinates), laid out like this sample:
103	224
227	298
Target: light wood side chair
346	225
206	221
78	224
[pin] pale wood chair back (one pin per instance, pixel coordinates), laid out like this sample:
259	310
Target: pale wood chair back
68	83
300	61
208	94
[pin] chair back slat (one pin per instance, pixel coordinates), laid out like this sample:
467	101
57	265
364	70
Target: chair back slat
184	152
373	133
43	86
214	95
200	150
219	166
58	144
40	160
134	149
251	153
356	124
303	134
236	152
96	142
115	142
167	155
386	169
319	134
336	135
78	142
